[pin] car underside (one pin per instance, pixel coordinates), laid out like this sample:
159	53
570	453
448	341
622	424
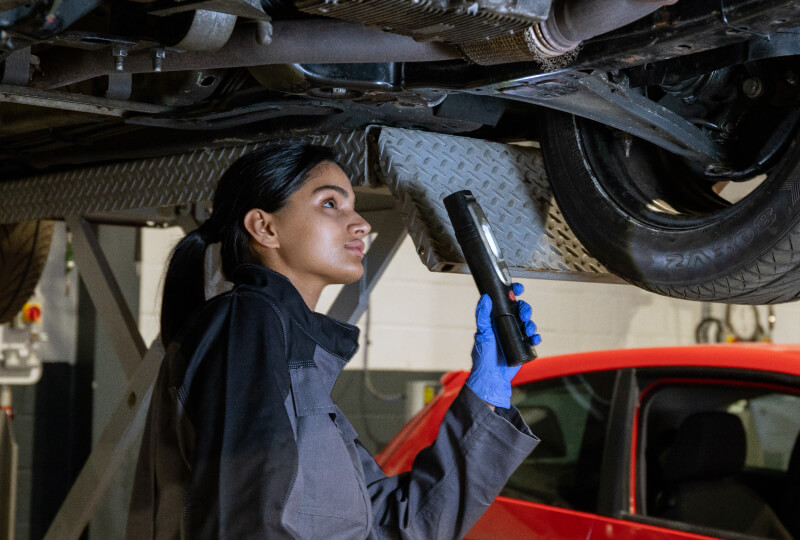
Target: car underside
647	112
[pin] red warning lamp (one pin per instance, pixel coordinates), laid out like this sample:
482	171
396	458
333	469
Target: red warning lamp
31	313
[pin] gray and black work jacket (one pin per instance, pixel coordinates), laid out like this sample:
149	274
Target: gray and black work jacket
243	440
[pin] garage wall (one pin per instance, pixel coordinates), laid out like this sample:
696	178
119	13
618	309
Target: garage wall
59	293
156	246
423	321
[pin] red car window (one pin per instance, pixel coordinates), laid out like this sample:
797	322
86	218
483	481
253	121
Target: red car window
569	415
716	454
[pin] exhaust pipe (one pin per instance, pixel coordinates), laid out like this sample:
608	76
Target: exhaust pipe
334	42
570	23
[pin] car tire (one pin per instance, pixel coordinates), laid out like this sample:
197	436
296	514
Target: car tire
650	218
23	252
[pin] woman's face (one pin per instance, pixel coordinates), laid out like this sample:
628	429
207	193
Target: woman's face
320	234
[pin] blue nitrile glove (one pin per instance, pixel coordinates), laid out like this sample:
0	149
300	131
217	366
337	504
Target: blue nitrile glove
491	378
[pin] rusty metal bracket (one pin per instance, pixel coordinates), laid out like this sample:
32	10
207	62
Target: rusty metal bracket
74	102
120	86
17	68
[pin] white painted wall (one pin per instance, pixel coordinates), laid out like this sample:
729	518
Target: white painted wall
424	321
156	247
59	302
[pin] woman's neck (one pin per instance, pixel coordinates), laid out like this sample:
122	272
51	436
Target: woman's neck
310	290
310	294
309	287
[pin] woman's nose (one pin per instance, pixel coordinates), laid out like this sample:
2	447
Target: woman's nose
360	226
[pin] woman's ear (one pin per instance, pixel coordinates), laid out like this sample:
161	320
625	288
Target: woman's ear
261	227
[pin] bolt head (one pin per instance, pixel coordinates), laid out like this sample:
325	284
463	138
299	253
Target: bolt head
753	87
119	52
158	58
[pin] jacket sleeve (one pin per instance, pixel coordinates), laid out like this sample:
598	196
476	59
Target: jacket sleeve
453	481
245	458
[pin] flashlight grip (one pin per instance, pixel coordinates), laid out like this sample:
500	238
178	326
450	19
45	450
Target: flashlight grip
486	269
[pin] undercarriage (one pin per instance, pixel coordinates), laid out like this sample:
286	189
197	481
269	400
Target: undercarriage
647	113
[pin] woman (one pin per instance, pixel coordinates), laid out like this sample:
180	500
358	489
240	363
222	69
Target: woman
243	439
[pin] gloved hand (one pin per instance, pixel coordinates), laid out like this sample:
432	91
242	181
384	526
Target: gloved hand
491	378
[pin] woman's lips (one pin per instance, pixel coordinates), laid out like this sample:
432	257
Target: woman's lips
356	247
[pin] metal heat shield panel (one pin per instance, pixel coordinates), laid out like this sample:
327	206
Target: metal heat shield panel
509	182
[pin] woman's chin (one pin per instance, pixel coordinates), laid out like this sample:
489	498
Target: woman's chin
351	275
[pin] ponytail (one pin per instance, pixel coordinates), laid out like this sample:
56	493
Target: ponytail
264	179
184	286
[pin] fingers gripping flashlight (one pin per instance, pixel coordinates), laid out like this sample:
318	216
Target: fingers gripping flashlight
488	268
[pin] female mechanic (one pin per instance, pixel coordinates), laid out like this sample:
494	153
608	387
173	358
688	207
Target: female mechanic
242	437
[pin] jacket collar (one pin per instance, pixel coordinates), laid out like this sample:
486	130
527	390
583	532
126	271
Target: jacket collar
338	338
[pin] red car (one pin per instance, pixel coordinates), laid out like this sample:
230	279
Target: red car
688	442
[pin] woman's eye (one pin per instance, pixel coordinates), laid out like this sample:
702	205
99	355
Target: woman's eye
330	203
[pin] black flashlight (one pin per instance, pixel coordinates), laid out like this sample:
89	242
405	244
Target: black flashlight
488	268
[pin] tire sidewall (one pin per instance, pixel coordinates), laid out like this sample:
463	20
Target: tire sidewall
24	247
658	256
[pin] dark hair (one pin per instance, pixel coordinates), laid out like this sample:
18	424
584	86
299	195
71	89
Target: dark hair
265	179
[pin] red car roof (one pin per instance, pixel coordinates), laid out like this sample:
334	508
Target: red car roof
773	357
760	356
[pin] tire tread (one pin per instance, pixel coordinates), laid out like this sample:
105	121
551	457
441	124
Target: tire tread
764	281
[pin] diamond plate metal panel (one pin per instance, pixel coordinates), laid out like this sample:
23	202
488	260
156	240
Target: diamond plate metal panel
510	184
147	183
421	168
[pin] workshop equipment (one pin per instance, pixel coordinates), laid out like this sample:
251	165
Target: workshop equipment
19	364
488	268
